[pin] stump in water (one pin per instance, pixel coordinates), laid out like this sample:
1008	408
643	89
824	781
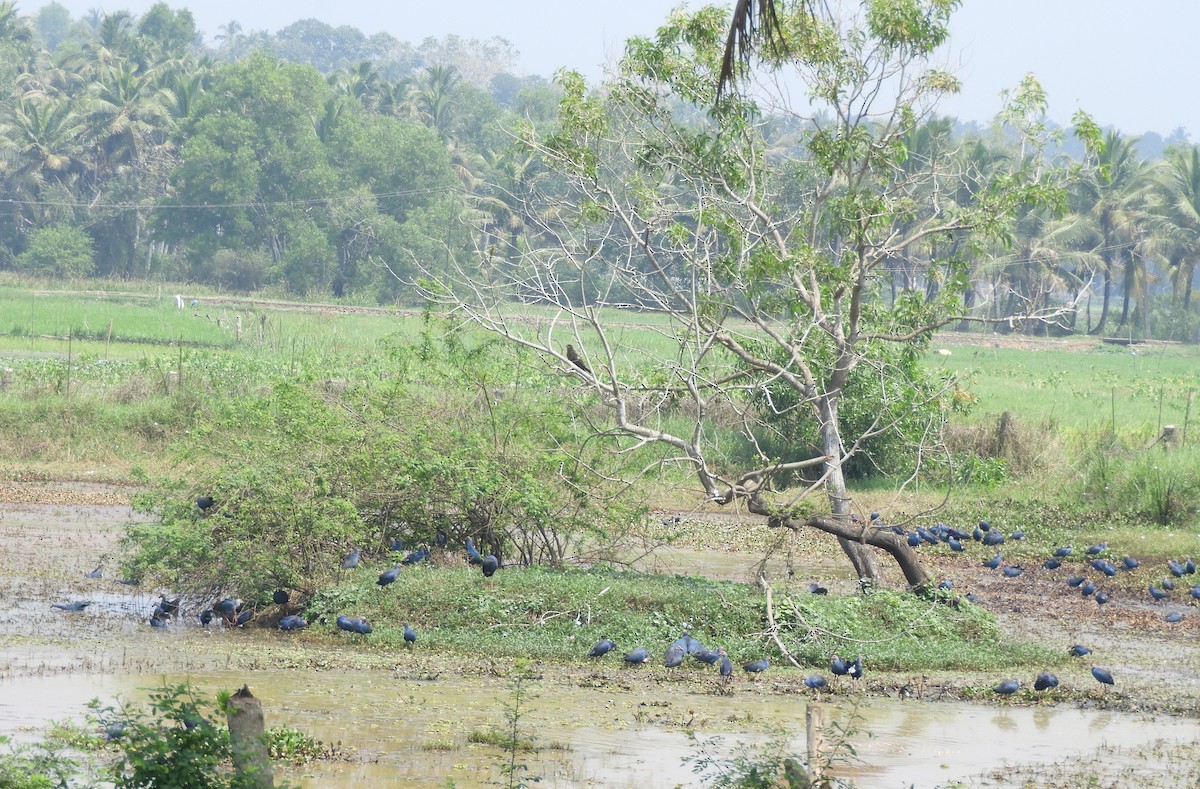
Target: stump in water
246	730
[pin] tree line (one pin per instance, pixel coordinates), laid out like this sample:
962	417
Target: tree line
321	161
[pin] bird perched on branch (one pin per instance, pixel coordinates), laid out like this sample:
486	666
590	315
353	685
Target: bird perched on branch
574	358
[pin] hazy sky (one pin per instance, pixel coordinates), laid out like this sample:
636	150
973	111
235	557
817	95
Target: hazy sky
1131	65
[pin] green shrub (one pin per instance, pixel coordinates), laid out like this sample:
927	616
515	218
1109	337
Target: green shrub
59	250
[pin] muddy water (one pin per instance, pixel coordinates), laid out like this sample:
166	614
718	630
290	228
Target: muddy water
414	730
410	715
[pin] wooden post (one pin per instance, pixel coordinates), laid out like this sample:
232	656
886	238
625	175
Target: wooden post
1187	413
814	721
246	729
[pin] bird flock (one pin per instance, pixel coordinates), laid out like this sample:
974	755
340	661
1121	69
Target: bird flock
234	612
1097	558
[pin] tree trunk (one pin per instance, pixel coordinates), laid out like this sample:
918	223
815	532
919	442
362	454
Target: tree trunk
246	729
1099	328
835	490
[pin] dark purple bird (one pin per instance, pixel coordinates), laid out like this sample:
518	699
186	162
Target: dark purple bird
1103	676
1078	650
1097	549
490	565
815	682
1051	564
1075	580
293	622
1012	571
419	555
1102	598
993	562
1063	552
280	597
1174	617
473	555
1007	687
726	665
76	606
388	576
993	538
674	656
838	667
757	666
1158	594
1131	563
1168	584
1045	681
410	636
350	560
638	656
855	669
1087	588
1177	569
602	648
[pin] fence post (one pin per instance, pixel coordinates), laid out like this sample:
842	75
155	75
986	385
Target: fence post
814	722
246	730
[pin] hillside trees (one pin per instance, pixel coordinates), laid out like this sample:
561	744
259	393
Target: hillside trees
653	193
276	162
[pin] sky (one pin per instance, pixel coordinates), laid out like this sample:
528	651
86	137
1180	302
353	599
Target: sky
1129	64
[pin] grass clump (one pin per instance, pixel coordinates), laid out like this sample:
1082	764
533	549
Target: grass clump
543	613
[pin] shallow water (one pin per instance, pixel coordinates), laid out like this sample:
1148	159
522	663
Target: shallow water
414	730
410	720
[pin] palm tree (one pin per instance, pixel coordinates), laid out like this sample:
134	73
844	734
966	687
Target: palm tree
1111	195
1175	218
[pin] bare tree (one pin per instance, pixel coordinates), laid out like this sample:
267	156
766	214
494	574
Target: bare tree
761	270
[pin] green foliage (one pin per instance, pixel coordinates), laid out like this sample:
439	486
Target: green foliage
1158	484
432	439
38	766
174	742
59	250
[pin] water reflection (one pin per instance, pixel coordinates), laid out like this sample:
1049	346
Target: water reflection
417	731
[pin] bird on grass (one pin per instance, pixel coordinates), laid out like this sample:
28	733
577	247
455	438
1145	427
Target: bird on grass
156	622
855	670
228	607
638	656
1017	535
1045	681
1078	650
707	656
815	682
574	358
490	565
1103	676
205	503
292	622
1051	564
1097	549
1063	552
76	606
838	666
1007	687
1173	618
388	576
1195	591
1087	588
1075	581
757	666
1102	598
602	648
993	538
244	617
1130	563
993	562
353	625
1012	571
473	555
280	597
1158	594
726	665
97	573
674	656
350	560
420	554
205	617
1168	584
816	588
1105	566
410	636
1177	569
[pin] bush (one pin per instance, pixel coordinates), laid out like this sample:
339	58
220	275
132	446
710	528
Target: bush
59	250
1160	485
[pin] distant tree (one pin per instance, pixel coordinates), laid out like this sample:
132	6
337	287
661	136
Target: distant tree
53	23
59	250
